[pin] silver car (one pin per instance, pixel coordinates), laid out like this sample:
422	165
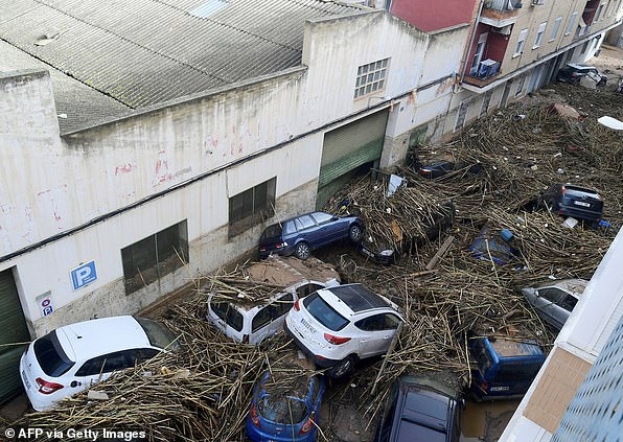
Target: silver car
555	301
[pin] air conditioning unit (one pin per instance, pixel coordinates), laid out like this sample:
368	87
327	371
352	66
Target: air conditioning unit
487	68
538	2
504	30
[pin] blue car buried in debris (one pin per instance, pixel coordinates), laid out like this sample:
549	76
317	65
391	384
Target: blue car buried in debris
285	407
496	248
300	235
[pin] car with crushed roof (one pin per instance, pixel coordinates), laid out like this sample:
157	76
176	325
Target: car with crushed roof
285	406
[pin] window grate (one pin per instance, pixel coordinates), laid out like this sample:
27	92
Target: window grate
371	78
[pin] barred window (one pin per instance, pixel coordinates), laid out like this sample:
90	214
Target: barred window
252	207
371	78
155	256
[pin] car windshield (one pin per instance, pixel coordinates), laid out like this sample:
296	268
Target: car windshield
159	336
324	313
51	356
282	408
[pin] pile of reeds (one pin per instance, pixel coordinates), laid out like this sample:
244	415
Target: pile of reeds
203	391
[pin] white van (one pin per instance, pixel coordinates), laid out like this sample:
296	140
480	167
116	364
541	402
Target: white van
251	318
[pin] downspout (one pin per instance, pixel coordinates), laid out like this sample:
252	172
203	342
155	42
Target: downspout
472	37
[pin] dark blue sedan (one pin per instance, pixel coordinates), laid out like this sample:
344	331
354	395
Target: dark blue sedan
285	407
299	236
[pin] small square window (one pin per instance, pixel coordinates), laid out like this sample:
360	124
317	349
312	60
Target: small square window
371	78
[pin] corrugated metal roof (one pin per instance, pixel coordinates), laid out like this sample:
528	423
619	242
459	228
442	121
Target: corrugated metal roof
143	52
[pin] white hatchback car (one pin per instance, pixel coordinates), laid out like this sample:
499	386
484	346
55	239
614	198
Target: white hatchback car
253	321
337	326
70	359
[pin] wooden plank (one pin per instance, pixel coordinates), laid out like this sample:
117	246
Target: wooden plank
440	253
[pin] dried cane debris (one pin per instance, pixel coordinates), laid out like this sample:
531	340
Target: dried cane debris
203	391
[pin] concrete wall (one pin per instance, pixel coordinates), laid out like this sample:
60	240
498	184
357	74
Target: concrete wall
33	180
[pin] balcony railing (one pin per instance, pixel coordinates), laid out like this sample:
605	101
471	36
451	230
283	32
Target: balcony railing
480	82
499	5
500	13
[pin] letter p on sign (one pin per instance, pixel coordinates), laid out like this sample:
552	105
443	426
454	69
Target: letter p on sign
83	275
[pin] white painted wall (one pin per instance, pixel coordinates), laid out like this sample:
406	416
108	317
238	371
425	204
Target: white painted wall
118	183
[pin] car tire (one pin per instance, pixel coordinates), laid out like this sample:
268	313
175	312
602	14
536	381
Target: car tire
342	368
302	251
355	233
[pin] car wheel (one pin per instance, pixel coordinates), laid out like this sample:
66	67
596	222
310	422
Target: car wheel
302	251
355	233
343	368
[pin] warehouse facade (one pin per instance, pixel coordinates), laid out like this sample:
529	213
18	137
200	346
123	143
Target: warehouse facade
116	194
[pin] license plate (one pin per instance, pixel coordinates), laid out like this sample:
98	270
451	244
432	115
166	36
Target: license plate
307	326
26	381
581	203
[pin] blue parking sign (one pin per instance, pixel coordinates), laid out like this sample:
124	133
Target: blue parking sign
83	275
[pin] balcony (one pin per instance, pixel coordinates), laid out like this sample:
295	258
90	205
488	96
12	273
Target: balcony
488	72
500	13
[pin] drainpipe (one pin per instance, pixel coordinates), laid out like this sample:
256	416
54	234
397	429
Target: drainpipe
471	41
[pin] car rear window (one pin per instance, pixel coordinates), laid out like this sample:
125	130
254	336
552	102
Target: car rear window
229	314
52	358
324	313
282	409
159	336
519	372
273	231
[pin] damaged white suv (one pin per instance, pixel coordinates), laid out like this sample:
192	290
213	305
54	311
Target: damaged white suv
338	326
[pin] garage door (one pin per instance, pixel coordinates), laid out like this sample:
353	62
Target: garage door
13	333
347	148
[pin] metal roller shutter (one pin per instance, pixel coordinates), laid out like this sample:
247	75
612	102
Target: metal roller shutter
350	146
13	330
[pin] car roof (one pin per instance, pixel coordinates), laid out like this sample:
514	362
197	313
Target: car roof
574	286
426	407
353	299
245	302
85	340
580	66
576	188
426	382
309	213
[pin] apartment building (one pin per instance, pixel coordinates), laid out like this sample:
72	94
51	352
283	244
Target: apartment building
515	46
577	393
